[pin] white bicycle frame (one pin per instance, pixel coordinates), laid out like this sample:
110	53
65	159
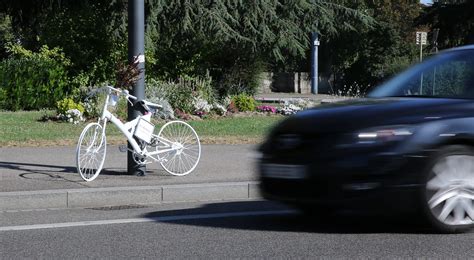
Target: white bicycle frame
128	128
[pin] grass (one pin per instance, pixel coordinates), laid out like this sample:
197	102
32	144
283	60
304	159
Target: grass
249	129
26	129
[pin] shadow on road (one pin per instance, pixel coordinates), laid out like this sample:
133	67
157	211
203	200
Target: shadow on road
41	172
33	168
58	173
52	171
293	221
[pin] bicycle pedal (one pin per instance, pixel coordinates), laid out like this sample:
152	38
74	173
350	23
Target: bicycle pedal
123	148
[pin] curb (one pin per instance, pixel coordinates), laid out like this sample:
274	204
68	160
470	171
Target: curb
119	196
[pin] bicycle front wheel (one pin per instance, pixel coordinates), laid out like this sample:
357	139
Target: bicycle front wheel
185	148
90	152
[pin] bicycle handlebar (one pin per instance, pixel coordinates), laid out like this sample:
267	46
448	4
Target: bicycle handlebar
128	96
125	93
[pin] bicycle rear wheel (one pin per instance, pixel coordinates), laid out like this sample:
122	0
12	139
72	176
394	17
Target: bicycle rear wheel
185	148
91	151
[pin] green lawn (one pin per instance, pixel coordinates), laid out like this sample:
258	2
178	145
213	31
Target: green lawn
26	129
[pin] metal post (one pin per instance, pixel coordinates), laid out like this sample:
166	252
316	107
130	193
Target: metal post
421	59
421	52
314	62
136	51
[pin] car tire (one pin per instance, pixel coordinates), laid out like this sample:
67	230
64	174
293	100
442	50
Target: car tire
447	194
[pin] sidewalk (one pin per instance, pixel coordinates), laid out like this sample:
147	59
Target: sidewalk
280	97
46	177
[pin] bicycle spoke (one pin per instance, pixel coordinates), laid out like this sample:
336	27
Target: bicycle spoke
186	149
91	151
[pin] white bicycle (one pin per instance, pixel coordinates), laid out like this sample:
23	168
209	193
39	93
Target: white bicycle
176	146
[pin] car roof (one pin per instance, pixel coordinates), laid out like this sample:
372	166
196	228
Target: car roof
466	47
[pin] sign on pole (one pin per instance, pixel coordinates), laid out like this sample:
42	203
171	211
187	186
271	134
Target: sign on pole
421	37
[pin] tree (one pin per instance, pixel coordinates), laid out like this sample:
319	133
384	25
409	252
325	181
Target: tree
230	39
92	33
6	34
454	19
368	55
227	37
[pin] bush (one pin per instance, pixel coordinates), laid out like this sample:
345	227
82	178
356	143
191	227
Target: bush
295	105
244	102
243	76
267	109
68	104
289	109
166	111
33	80
181	94
70	111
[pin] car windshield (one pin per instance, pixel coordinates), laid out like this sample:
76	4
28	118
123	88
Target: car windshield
447	75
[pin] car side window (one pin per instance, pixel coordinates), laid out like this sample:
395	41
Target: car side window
449	75
452	78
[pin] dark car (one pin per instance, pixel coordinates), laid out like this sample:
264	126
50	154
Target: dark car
408	146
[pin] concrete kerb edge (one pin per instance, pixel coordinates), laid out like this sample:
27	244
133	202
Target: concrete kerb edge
118	196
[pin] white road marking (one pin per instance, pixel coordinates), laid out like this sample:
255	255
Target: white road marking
144	220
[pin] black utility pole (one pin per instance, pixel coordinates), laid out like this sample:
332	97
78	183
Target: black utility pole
136	52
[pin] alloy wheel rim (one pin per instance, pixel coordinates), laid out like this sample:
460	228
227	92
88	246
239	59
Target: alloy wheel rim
450	190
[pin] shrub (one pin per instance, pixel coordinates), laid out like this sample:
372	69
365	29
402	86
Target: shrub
292	106
354	90
70	111
182	115
66	104
243	76
166	111
93	106
244	102
289	109
219	109
232	108
181	94
201	105
33	80
266	109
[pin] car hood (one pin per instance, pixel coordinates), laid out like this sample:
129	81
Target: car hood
355	114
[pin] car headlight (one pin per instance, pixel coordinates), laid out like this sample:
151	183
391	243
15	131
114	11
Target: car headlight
384	134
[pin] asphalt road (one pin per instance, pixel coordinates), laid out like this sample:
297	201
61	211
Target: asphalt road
251	229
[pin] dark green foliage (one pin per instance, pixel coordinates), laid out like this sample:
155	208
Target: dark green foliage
362	42
182	97
236	40
182	92
31	81
240	77
370	55
6	34
454	19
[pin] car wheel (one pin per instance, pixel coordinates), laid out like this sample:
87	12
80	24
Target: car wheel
448	190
